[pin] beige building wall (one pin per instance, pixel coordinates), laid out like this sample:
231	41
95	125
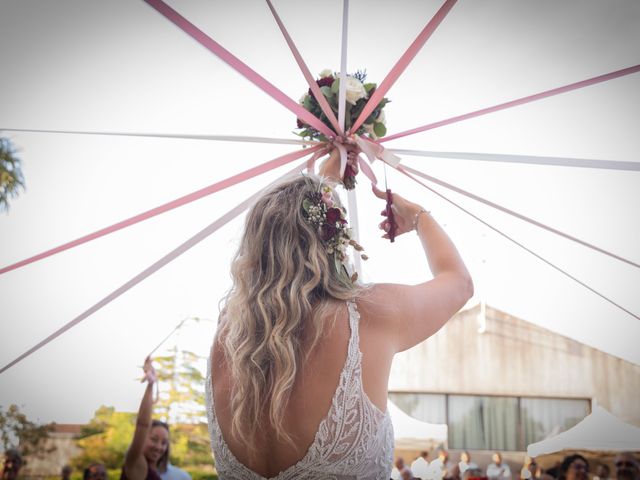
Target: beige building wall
61	442
516	358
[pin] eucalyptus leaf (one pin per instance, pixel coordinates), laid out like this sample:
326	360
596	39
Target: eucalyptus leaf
379	129
369	86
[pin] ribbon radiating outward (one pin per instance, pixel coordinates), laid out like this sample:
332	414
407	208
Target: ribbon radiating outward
216	187
172	255
337	138
402	64
239	66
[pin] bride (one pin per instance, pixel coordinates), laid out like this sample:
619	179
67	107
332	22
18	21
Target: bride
300	363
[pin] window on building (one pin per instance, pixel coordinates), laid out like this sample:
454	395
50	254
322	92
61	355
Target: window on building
543	417
483	423
493	422
428	407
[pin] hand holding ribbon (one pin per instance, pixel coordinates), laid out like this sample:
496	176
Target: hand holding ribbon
404	214
149	372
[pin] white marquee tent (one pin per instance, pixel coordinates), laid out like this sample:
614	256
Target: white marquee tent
600	431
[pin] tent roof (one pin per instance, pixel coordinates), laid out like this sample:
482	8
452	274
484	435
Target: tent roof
407	427
599	431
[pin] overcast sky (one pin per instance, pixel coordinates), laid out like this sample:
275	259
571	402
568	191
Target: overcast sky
121	67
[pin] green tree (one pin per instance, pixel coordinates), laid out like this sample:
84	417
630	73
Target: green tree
105	438
11	179
17	431
181	404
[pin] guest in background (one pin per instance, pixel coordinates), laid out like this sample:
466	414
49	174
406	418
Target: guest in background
473	473
398	467
12	464
150	444
602	472
406	474
442	467
627	467
95	471
498	470
420	466
530	469
464	464
65	473
171	472
574	467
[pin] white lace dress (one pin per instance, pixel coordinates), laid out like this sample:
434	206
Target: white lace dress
354	440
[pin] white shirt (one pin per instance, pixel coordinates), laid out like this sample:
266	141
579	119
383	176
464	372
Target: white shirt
498	472
420	468
174	473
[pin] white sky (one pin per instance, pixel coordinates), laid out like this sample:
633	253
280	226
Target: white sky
120	66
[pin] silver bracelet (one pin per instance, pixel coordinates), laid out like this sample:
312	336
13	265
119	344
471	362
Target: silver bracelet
415	219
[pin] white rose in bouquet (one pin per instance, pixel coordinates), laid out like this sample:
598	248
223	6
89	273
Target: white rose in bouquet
355	90
326	73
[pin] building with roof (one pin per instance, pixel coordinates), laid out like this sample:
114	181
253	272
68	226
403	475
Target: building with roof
502	383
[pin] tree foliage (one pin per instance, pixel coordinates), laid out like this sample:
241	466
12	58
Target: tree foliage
105	438
11	179
17	431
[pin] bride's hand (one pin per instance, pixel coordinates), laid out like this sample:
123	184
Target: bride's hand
404	213
330	168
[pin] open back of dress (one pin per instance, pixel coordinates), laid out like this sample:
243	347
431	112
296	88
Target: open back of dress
353	441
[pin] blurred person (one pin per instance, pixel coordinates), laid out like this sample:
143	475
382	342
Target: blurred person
65	473
442	467
627	467
420	466
406	474
498	470
12	464
464	464
150	444
530	469
171	472
603	472
398	467
473	473
95	471
574	467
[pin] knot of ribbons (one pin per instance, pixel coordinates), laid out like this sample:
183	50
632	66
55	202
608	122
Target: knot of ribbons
372	151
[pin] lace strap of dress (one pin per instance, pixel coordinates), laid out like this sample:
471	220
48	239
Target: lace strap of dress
353	353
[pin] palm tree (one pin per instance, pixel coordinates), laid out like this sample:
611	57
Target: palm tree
11	179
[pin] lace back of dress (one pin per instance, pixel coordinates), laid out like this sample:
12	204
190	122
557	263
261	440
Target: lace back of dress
354	440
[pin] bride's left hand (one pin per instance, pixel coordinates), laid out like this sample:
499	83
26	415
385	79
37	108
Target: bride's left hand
330	168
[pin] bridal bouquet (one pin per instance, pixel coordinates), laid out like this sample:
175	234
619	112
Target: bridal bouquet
358	92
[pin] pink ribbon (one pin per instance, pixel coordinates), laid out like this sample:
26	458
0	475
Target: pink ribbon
239	66
322	101
402	64
311	162
519	216
519	101
539	257
216	187
175	253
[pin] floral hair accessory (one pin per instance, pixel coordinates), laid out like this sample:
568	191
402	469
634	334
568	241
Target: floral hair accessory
322	212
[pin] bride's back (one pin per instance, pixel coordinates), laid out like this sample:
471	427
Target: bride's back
316	382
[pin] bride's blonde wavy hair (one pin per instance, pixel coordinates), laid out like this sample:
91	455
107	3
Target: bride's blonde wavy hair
282	275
